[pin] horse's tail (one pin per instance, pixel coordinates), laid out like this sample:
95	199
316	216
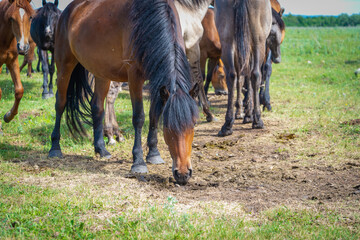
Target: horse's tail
78	97
157	48
242	34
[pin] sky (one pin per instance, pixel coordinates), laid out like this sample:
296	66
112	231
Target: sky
295	7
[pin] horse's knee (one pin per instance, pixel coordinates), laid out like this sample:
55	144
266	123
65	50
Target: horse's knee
19	92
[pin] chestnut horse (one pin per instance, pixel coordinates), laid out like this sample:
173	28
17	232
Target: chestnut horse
135	40
210	48
15	16
243	27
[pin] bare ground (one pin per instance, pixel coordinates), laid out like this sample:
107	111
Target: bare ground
255	169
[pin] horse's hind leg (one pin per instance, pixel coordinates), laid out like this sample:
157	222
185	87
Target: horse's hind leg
255	82
51	71
136	82
248	101
238	102
97	111
231	76
19	90
45	69
193	55
65	70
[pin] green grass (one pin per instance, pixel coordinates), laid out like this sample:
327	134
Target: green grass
314	87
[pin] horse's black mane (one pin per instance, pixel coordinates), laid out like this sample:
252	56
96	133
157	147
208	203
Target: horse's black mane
278	19
192	3
163	60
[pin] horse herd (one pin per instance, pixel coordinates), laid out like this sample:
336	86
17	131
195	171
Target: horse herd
165	41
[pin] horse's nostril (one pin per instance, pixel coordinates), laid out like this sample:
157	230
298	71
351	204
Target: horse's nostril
177	174
190	172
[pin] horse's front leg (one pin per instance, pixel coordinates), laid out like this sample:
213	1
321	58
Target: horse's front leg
255	83
13	67
111	127
153	156
210	69
193	55
97	111
231	76
45	70
136	81
265	91
51	71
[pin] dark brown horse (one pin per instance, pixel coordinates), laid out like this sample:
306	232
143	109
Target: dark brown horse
210	48
14	39
135	40
243	27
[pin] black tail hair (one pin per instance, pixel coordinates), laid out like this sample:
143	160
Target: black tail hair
78	98
243	34
157	49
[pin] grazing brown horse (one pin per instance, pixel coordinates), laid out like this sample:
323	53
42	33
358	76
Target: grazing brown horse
243	27
135	40
210	48
14	39
29	58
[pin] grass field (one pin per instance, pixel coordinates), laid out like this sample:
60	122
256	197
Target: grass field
314	88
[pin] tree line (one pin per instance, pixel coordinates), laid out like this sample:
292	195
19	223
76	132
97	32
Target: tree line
343	20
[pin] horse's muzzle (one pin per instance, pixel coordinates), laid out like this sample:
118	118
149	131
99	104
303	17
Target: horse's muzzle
182	179
23	49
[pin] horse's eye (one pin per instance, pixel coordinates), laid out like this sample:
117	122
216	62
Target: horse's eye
30	18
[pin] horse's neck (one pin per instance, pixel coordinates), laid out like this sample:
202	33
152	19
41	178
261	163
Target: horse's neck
7	36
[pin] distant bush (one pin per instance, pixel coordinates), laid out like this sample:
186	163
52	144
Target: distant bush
343	20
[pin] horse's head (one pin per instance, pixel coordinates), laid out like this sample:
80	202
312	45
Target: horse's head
49	16
276	36
218	79
19	15
180	116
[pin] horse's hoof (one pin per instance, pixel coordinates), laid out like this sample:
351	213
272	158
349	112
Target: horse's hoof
239	116
111	141
45	96
247	120
55	154
50	95
258	125
120	138
155	159
139	168
225	132
7	117
104	154
211	118
267	107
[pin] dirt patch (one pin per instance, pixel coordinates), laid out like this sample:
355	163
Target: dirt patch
352	122
258	169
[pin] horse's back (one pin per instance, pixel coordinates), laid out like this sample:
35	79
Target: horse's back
97	33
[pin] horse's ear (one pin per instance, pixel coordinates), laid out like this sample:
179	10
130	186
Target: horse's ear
194	92
282	11
56	3
164	94
44	2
